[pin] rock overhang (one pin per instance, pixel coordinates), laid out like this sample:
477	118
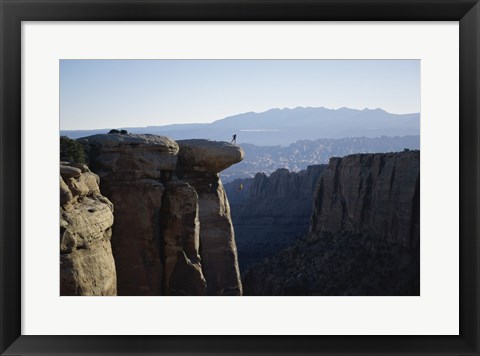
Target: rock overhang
208	156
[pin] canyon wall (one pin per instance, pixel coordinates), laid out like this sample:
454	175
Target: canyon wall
271	212
364	237
172	233
86	217
376	195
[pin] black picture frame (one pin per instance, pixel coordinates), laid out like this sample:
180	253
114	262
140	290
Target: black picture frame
13	12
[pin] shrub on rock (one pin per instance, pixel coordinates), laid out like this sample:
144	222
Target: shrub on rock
71	150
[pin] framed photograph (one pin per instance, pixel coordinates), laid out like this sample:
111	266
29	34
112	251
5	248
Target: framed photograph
240	177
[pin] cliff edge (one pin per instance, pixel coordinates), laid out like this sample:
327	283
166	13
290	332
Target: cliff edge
376	195
173	233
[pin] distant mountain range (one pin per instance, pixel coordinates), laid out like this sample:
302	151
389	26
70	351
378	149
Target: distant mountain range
285	126
303	153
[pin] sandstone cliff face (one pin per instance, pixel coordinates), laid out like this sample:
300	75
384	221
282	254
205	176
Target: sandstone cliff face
181	235
162	242
271	212
130	168
86	217
364	235
199	164
375	195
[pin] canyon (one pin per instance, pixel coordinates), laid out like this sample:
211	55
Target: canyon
364	236
150	216
271	212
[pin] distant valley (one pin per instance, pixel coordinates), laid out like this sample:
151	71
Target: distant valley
301	154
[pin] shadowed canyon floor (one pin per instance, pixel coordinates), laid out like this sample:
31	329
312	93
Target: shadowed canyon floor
271	212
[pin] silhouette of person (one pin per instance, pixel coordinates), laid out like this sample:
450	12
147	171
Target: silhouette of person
234	139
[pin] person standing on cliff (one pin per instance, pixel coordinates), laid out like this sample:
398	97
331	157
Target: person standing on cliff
234	139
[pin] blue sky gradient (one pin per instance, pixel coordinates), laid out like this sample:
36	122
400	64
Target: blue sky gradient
98	94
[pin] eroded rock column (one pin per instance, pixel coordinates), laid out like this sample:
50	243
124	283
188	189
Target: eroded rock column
86	217
183	273
199	163
131	168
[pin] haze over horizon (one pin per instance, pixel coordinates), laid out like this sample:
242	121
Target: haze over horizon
284	126
241	114
100	94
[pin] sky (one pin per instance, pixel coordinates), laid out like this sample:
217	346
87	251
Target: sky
98	94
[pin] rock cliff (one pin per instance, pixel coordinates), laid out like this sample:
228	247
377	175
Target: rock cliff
86	217
271	212
364	237
169	203
376	195
198	165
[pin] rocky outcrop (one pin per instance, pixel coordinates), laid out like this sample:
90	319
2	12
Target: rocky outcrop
131	169
86	262
172	233
271	212
364	237
374	195
207	156
199	163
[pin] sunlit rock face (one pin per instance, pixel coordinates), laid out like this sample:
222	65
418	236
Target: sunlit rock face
172	233
131	168
128	157
86	262
199	155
